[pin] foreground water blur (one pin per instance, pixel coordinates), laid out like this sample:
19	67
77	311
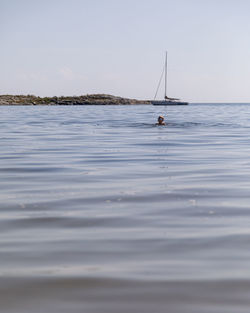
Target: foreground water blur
103	211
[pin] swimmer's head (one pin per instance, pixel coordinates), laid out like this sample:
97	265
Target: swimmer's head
161	120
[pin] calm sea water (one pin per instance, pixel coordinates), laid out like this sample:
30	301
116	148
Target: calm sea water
104	212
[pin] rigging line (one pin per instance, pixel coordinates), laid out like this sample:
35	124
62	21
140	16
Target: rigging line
159	82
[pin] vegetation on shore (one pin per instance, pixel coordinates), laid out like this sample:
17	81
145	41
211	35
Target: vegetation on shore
96	99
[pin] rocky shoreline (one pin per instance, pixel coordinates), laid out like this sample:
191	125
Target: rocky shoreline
95	99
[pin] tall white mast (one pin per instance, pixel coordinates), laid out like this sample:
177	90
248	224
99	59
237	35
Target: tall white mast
166	64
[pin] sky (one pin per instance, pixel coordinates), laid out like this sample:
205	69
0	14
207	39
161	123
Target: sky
76	47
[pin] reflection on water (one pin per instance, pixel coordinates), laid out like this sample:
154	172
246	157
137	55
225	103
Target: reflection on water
103	211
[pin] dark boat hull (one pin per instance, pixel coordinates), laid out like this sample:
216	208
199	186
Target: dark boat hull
167	102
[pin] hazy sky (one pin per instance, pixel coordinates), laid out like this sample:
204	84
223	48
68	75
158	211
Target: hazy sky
74	47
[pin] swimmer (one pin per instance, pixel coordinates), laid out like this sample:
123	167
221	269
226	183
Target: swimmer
160	120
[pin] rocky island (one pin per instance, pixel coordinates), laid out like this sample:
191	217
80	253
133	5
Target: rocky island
95	99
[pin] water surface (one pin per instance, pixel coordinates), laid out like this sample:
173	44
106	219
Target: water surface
103	211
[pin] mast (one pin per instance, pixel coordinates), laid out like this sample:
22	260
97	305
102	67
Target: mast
166	63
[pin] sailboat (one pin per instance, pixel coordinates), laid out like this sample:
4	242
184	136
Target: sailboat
166	100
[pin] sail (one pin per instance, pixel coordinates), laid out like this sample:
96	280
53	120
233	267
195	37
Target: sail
168	98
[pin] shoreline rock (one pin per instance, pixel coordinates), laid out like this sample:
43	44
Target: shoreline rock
94	99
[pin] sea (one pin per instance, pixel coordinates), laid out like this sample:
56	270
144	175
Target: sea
103	211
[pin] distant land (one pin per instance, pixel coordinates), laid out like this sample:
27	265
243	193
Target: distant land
95	99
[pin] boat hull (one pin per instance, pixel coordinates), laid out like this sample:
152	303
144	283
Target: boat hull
167	102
